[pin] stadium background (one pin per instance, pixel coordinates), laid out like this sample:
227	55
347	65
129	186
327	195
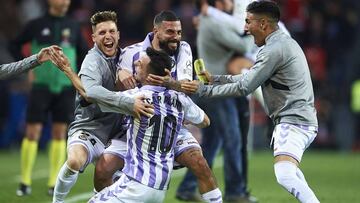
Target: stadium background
327	30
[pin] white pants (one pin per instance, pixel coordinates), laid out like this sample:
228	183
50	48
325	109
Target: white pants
292	140
126	190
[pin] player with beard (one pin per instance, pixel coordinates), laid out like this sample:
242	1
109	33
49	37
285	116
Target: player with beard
166	36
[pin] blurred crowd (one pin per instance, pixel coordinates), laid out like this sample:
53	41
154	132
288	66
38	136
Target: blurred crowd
327	30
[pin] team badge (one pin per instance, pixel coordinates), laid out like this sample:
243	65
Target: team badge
179	142
83	137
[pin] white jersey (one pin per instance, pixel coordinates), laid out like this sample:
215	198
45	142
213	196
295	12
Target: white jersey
151	141
182	70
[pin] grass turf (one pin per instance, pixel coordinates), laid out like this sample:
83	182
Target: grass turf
334	177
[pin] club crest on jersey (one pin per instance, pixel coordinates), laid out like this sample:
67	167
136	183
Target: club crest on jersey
82	137
179	142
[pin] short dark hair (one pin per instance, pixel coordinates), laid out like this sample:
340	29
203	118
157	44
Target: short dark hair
159	61
166	15
103	16
211	2
265	7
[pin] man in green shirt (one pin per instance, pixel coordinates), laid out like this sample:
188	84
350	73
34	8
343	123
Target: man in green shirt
51	92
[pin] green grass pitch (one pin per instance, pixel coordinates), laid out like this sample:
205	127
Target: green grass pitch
334	177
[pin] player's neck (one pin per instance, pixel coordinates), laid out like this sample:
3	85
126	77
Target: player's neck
155	44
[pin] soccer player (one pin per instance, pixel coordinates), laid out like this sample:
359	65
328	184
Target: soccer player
91	130
11	69
166	36
282	71
151	141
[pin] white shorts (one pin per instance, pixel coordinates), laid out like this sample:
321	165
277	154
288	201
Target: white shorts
92	144
184	141
292	140
117	147
126	190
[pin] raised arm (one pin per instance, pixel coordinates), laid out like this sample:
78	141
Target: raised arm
63	63
8	70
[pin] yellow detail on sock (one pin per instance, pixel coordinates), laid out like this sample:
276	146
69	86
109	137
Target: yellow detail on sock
28	155
57	153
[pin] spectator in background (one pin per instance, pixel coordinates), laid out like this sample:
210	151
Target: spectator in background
217	42
51	91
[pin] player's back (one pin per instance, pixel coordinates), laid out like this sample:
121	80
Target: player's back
150	155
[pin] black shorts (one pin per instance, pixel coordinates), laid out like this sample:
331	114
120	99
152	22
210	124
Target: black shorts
43	103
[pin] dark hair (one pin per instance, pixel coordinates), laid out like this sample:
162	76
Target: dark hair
103	16
165	16
159	61
211	2
265	7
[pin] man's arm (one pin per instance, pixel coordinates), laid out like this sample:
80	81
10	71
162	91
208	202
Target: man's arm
7	70
90	88
194	114
205	123
63	63
10	69
245	83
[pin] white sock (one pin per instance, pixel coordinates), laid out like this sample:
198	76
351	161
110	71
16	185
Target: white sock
212	196
300	175
64	182
286	175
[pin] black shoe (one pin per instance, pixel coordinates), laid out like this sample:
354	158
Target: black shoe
188	197
50	191
241	199
23	190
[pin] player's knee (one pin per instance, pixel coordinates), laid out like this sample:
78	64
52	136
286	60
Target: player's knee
200	167
283	179
102	171
74	163
285	173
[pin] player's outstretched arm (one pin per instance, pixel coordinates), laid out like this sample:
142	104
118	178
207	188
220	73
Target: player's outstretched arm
7	70
63	63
